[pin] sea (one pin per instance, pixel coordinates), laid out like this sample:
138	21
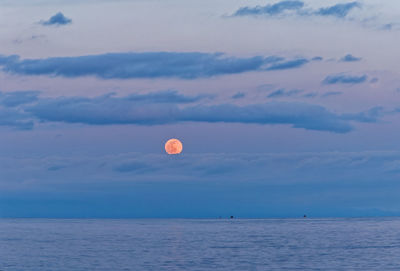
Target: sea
200	244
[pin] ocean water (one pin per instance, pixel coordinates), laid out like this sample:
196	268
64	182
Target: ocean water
199	244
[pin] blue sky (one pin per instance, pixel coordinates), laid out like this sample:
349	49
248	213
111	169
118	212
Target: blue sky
283	108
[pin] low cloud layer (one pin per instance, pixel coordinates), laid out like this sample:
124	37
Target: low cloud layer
146	65
242	184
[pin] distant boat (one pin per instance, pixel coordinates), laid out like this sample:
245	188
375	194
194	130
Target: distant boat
304	216
231	216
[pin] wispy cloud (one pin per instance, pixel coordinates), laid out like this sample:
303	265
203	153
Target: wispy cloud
371	115
338	10
298	7
344	79
168	96
284	93
331	93
272	9
291	64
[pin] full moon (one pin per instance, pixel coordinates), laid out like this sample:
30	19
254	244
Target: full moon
173	146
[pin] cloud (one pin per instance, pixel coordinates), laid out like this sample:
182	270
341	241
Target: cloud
21	109
57	19
11	113
350	58
317	58
167	96
291	64
109	110
338	10
97	185
374	80
371	115
331	93
298	115
310	95
12	99
289	168
344	79
273	9
284	93
15	118
30	38
297	7
238	95
146	65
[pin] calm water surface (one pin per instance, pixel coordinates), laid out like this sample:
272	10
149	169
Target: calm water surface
180	244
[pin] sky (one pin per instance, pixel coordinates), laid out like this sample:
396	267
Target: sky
284	108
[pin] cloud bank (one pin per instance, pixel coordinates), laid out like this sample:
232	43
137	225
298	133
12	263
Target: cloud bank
21	109
292	181
146	65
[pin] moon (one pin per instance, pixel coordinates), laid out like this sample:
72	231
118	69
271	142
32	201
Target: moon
173	146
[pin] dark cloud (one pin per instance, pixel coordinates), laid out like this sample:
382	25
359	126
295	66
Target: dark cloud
57	19
273	9
145	65
284	93
344	79
350	58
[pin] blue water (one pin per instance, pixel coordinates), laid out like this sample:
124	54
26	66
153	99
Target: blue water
178	244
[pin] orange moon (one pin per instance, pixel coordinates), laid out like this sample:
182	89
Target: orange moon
173	146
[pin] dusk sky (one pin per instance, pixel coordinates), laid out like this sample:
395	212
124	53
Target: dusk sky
284	108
